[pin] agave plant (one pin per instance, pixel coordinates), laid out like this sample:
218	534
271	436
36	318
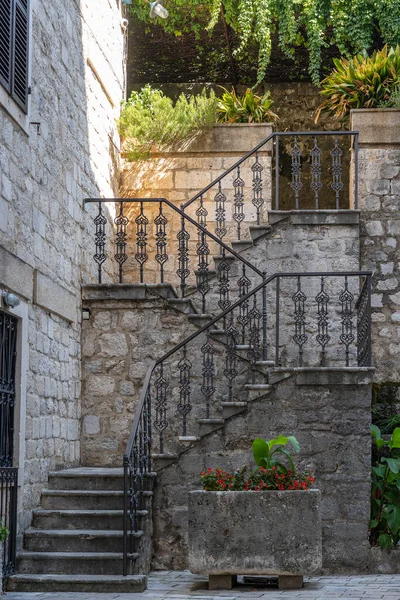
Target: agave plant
361	82
269	454
249	108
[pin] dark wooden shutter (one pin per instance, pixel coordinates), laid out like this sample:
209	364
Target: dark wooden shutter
6	27
19	54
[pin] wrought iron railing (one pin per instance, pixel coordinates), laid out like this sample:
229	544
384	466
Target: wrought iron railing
190	262
8	518
295	319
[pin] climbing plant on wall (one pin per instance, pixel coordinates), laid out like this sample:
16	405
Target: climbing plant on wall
316	24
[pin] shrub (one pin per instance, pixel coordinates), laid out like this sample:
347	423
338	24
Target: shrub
151	119
248	108
360	82
394	99
385	492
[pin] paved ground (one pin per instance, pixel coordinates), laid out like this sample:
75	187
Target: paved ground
184	586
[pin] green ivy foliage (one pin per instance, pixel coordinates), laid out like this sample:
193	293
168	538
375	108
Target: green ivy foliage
315	24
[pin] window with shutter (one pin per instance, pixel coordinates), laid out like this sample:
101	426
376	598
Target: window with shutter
14	38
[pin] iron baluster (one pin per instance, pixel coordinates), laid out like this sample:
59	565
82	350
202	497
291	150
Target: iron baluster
224	285
207	387
264	320
337	184
220	226
149	429
316	171
161	241
257	185
347	337
184	406
243	317
300	337
363	307
277	172
161	423
323	336
100	255
203	252
230	370
121	222
254	352
238	214
141	240
183	256
296	183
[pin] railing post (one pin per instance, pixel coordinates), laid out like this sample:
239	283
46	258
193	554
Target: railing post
356	171
264	318
125	519
369	354
276	172
277	322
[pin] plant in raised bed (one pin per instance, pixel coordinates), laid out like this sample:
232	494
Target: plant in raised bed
385	492
248	108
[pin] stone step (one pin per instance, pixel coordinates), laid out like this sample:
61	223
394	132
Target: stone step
199	319
85	499
210	425
161	461
258	231
258	390
77	583
76	540
71	563
82	519
230	409
241	245
183	305
91	478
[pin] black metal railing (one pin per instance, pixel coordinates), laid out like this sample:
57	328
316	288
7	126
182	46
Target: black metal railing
8	518
319	319
311	170
189	252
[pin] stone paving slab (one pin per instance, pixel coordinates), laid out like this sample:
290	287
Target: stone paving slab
182	585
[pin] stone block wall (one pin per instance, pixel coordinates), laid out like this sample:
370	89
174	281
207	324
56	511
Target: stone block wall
180	175
379	202
120	339
77	83
336	448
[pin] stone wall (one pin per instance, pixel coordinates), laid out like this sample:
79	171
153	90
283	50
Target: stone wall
120	339
77	83
330	416
379	201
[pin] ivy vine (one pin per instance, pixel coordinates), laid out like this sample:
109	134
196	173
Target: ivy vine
315	24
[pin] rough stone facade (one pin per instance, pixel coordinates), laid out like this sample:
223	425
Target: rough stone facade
120	340
379	201
77	82
336	448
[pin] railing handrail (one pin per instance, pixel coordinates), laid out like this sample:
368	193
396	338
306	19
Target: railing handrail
185	216
275	134
223	314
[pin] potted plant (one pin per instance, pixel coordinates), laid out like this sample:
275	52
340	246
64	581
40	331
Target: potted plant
260	521
3	535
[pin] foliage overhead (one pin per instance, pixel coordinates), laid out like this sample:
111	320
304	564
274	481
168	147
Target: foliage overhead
248	108
351	26
385	493
362	82
150	119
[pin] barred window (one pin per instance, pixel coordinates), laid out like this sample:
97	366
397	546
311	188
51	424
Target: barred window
14	33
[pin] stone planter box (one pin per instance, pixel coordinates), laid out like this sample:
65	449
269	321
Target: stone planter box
377	126
255	533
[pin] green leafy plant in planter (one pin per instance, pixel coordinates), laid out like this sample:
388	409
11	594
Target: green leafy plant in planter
150	120
248	108
360	82
270	474
4	533
385	492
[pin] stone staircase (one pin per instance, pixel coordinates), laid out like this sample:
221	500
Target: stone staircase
76	538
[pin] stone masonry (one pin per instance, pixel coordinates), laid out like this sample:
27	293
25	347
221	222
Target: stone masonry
77	83
379	201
